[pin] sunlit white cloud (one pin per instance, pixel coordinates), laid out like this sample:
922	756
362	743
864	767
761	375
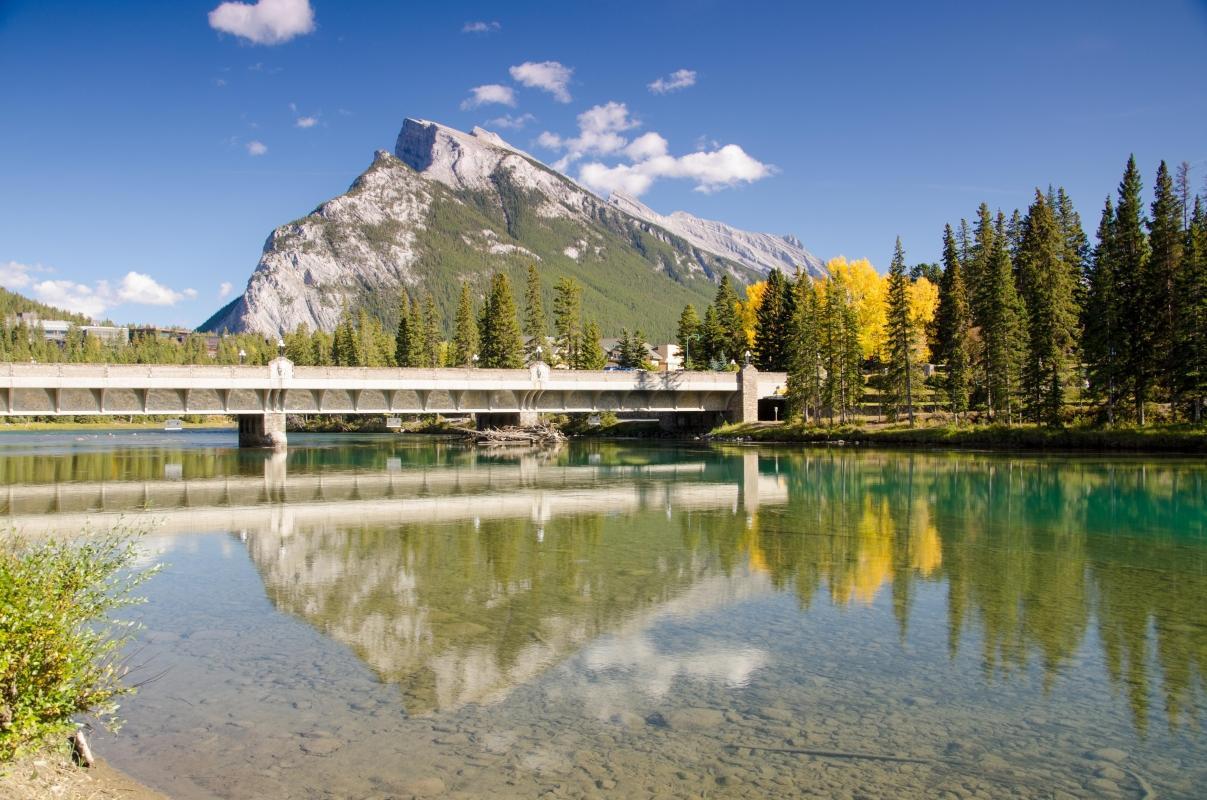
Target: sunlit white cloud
480	26
264	22
140	288
710	170
487	94
224	290
256	148
15	275
599	133
72	296
679	79
548	76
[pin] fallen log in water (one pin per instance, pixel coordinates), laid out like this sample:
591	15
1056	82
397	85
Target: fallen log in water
529	434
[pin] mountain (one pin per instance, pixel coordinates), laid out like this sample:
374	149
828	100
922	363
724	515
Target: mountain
448	206
758	251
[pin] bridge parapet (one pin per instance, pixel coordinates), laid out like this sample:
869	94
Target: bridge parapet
283	388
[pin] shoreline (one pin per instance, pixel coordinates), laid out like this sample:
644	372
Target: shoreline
1172	440
1180	439
52	773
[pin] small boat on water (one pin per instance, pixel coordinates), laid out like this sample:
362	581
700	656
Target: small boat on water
173	425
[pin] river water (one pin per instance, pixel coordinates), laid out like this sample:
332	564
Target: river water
373	618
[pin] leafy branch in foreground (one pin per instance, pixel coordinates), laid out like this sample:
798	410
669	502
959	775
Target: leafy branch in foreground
60	650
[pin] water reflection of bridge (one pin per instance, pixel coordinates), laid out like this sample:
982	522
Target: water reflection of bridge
523	488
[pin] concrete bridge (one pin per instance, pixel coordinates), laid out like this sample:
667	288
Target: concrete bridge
261	396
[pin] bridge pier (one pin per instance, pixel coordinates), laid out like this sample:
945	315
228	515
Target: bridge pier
745	405
262	430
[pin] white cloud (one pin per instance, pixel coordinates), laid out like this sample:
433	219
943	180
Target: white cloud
266	21
15	275
73	296
480	27
489	93
510	122
256	148
599	129
646	146
600	134
679	79
138	287
549	76
224	290
711	170
307	122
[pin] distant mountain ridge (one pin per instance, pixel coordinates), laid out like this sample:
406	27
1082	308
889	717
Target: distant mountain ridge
448	206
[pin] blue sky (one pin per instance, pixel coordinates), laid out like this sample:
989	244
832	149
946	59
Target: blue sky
131	184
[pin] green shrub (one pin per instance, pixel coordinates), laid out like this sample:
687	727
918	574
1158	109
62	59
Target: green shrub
60	651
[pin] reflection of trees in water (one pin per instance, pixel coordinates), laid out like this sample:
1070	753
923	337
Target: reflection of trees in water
1031	550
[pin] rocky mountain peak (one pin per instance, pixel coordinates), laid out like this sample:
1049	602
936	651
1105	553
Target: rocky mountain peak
449	206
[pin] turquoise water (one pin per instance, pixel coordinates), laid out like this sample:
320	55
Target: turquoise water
365	617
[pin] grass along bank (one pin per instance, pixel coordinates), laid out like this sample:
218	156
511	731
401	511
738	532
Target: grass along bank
1149	439
61	649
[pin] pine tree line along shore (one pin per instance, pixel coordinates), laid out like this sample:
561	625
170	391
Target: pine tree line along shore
1024	322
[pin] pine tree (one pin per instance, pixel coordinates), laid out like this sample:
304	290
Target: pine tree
1166	241
1047	285
1100	317
402	337
712	340
1003	331
804	388
536	327
688	337
567	320
590	352
1076	247
841	352
1191	328
501	344
978	265
323	343
772	320
1130	253
343	348
732	344
954	326
901	338
465	335
431	332
299	347
631	350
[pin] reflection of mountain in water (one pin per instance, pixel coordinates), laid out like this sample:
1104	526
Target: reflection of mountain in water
459	575
463	611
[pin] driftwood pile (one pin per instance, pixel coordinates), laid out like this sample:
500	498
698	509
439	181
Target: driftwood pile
511	435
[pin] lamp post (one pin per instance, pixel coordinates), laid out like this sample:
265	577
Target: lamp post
746	357
242	355
539	352
280	348
474	359
687	349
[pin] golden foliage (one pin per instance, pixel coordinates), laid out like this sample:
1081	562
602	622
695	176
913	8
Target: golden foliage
869	291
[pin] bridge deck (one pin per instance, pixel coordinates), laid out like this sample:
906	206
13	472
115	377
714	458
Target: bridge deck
281	387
